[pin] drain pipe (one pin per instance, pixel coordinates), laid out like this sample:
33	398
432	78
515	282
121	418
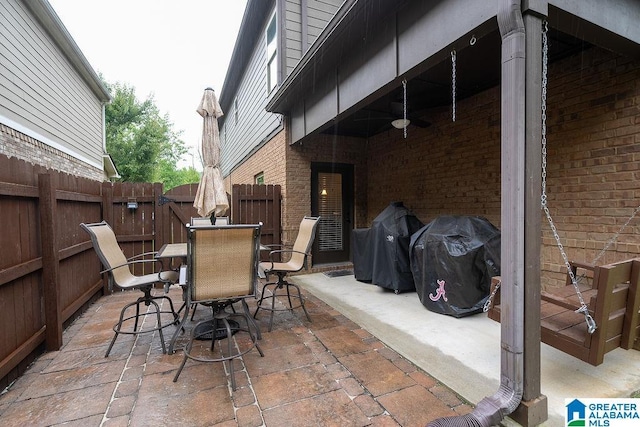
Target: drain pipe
491	410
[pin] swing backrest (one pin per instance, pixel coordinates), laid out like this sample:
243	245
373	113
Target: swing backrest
609	306
631	329
612	293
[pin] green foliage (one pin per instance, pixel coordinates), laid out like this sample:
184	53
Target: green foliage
142	143
172	177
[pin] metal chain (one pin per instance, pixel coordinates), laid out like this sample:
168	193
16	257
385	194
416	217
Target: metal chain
489	301
615	236
404	115
453	85
584	309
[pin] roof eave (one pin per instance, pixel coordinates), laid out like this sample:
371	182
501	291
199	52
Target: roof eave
279	101
250	28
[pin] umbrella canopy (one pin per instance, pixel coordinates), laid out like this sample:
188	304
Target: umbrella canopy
211	197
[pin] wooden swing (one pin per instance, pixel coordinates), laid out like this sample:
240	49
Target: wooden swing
611	318
614	304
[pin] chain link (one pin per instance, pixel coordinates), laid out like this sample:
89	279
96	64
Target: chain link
584	309
489	301
453	85
404	113
615	236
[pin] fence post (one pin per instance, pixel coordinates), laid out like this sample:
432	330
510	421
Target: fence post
107	215
50	262
158	217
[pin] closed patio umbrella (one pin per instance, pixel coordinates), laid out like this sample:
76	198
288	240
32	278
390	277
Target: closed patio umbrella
211	197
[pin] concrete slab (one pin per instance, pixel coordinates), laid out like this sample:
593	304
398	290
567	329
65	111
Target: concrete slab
464	354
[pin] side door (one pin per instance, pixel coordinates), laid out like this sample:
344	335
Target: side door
332	200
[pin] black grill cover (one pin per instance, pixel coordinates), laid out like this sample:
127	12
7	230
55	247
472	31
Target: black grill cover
452	260
381	253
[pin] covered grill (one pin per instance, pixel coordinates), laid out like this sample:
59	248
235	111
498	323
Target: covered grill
452	260
381	253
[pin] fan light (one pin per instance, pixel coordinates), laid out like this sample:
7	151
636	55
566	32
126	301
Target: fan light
400	123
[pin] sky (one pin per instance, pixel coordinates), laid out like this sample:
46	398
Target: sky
169	49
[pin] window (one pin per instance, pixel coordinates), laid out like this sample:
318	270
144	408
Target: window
259	178
272	54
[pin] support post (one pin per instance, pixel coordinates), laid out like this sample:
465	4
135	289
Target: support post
533	409
107	215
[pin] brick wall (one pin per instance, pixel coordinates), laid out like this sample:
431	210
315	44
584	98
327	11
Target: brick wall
593	161
290	167
454	167
594	151
18	145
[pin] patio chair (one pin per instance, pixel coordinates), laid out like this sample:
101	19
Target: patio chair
222	267
298	259
206	221
118	266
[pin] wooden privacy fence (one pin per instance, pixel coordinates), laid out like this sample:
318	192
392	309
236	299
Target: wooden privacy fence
48	269
251	204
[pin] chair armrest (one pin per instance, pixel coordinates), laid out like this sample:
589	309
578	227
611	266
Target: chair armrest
141	255
288	251
129	263
273	246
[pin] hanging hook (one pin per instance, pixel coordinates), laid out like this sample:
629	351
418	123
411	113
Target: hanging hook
473	40
591	324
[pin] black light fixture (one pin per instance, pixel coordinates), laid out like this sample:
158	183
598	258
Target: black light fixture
132	204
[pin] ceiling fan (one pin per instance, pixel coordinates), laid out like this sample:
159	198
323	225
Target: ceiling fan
397	117
394	116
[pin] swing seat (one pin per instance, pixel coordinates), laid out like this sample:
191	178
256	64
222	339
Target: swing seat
613	299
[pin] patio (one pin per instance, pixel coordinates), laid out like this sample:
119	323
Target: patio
464	353
370	357
328	372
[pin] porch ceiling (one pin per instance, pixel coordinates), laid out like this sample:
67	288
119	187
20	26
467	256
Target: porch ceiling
477	69
350	81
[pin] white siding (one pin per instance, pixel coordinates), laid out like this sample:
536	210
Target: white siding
42	92
254	123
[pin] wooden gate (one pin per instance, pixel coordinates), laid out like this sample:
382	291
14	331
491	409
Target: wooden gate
175	210
251	204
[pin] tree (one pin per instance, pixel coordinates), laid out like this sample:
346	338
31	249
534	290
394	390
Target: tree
142	143
172	177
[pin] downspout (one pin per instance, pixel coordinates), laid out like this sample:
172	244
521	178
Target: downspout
491	410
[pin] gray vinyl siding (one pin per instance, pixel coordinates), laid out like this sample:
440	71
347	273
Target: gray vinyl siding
317	14
254	123
293	35
41	91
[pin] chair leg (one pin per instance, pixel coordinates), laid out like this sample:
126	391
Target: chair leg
159	325
187	351
230	350
297	288
280	284
180	328
273	307
223	317
148	300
